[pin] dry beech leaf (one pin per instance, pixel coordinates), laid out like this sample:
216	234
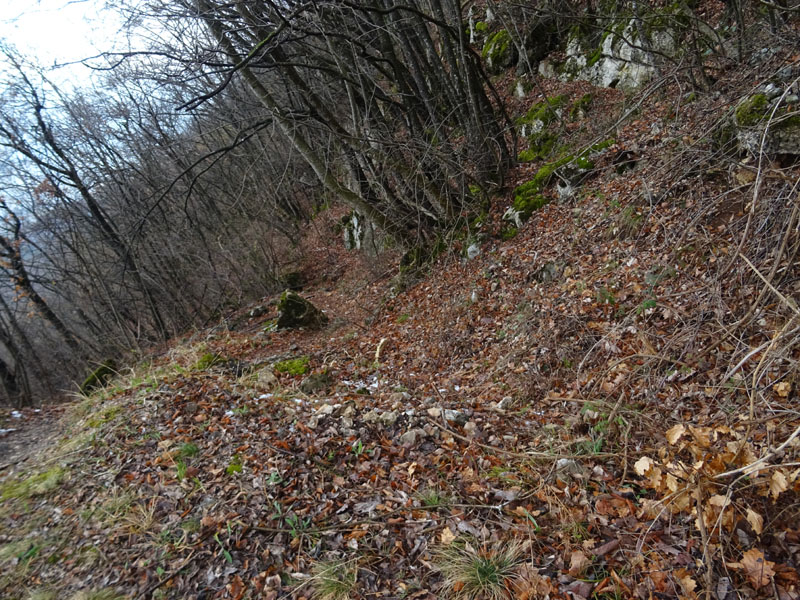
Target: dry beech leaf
643	465
701	435
756	521
783	389
777	484
719	501
447	536
578	562
675	433
757	568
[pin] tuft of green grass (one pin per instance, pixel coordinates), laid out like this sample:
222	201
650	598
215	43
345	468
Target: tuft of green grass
188	450
333	580
486	573
433	498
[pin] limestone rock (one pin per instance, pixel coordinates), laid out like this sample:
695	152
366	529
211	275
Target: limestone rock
410	437
296	311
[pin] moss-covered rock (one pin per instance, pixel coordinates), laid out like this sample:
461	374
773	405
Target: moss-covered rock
541	114
581	107
295	311
98	378
752	110
293	366
540	147
498	51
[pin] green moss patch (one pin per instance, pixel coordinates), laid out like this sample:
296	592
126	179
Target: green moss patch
34	485
752	110
498	51
293	366
543	112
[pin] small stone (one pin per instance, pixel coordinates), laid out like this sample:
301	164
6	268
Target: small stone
410	437
505	403
190	408
772	91
347	422
326	409
313	422
372	416
389	418
435	412
455	416
399	397
473	251
348	412
470	428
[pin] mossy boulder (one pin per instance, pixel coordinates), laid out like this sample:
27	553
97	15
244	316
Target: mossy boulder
540	115
763	125
499	52
295	311
751	110
99	377
293	366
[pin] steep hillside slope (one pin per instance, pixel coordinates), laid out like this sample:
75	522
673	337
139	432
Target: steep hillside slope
599	403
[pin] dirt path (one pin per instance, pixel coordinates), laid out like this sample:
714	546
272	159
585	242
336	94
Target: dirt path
23	433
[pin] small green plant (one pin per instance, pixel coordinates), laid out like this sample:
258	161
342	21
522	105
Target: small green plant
357	448
180	467
225	553
297	526
403	318
235	466
646	305
274	478
333	579
433	498
188	450
293	366
472	573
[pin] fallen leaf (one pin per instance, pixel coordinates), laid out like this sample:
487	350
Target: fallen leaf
447	536
643	465
675	433
756	521
578	563
777	484
782	388
757	568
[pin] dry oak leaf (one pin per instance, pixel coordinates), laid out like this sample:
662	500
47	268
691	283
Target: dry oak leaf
777	484
578	563
675	433
758	569
643	465
756	521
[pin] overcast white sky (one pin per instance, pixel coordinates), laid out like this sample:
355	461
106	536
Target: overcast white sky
58	32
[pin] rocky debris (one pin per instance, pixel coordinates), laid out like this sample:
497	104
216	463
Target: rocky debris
295	311
412	436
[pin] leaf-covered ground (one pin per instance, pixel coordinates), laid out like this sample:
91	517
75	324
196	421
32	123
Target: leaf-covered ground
609	398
